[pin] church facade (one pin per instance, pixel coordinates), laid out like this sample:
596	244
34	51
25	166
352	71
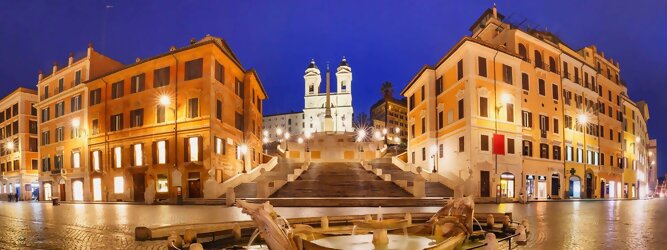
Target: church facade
322	112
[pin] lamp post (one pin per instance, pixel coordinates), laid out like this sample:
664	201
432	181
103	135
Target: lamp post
265	140
434	153
287	135
307	135
583	120
361	135
165	101
377	135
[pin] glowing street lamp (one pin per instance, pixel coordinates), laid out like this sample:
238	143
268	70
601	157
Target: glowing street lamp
287	135
10	145
243	149
361	135
266	133
583	120
279	131
434	151
308	135
265	140
300	140
165	100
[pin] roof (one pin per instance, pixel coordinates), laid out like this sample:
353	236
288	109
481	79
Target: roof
19	90
451	52
402	102
488	11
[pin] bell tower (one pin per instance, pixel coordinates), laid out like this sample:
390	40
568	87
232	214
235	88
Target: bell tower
312	79
344	78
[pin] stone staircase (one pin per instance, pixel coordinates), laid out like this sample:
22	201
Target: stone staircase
280	172
432	188
341	179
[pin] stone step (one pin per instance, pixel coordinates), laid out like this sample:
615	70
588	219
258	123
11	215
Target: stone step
352	202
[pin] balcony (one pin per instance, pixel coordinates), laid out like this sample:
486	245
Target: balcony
57	171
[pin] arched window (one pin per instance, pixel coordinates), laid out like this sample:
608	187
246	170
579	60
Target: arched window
552	64
538	60
523	52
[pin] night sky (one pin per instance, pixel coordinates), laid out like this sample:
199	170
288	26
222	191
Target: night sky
383	41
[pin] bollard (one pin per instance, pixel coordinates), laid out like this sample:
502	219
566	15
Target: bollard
521	238
196	246
524	222
490	220
142	234
491	242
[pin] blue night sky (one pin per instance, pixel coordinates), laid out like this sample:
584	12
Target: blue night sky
383	40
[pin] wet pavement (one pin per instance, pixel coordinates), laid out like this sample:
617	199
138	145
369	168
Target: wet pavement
554	225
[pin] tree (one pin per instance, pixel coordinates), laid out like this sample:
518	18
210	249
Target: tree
361	120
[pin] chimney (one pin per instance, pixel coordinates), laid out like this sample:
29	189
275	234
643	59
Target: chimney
90	49
495	11
172	48
55	67
192	41
70	60
136	60
40	76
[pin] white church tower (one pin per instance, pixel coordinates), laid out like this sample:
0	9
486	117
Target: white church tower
315	103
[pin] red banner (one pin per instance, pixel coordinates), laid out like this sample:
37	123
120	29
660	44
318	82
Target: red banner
499	144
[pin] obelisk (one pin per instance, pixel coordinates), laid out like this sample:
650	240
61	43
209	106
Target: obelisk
328	120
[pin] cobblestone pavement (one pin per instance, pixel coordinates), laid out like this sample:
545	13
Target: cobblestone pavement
554	225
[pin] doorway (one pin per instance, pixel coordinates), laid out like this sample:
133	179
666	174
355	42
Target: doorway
589	185
507	185
97	189
47	191
63	192
77	190
575	187
603	188
484	184
139	181
541	187
530	186
555	185
194	185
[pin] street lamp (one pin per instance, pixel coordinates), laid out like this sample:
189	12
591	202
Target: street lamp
434	151
583	120
243	149
165	101
10	145
287	135
265	140
307	134
300	140
361	135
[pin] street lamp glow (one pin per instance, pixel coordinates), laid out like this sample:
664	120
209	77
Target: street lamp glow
265	140
266	133
279	131
76	122
243	149
377	135
165	100
361	134
308	134
384	131
505	98
300	140
287	135
397	140
582	118
397	130
638	139
10	145
434	149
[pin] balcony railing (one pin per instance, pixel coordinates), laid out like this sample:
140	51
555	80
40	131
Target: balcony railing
56	171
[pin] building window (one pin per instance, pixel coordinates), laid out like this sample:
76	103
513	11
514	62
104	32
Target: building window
138	154
46	164
441	151
510	146
483	107
33	145
161	151
46	137
459	70
544	151
460	109
193	69
161	77
423	125
61	85
484	142
580	155
441	119
77	77
138	83
117	122
220	72
136	118
239	89
193	149
96	126
525	82
481	64
423	93
160	114
96	160
75	103
218	109
510	112
193	108
45	115
118	185
527	148
541	87
239	122
60	134
461	144
60	109
544	125
439	86
423	153
34	164
95	96
117	90
118	157
527	119
76	159
411	102
568	153
507	74
162	183
556	129
219	146
554	90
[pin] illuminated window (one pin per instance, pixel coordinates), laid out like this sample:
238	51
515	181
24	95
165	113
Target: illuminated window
218	146
138	155
162	152
162	184
96	160
97	189
76	159
507	185
117	156
118	185
193	144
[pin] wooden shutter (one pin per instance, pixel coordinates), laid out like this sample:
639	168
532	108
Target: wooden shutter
154	153
133	162
201	148
186	151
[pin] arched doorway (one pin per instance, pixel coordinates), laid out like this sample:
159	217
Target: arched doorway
507	185
575	187
589	185
77	190
47	191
